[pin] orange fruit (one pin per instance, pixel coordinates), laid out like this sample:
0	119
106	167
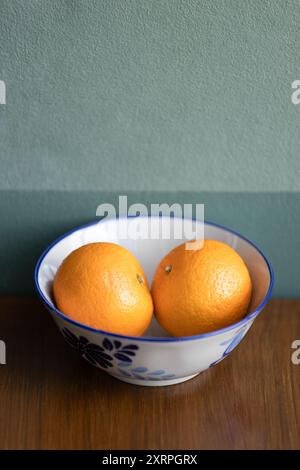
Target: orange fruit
103	286
197	291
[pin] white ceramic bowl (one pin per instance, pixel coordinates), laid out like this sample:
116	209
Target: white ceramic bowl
155	358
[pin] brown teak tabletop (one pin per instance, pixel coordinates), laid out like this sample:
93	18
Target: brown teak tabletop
53	399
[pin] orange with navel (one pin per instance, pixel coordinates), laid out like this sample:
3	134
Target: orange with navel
102	285
198	291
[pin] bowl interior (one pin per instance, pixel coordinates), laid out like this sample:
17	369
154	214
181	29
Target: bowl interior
149	252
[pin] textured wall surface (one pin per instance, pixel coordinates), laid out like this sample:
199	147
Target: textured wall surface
149	94
172	100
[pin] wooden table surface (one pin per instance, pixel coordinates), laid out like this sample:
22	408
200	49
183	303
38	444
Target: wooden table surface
50	398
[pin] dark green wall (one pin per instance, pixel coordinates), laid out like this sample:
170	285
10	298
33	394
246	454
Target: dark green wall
35	218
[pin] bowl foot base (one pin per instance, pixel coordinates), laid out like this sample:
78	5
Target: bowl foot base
154	383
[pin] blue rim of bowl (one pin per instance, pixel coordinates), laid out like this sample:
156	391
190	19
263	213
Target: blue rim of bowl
249	317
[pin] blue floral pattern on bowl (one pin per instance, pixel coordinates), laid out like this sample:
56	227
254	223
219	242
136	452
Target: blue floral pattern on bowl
142	373
231	343
104	355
